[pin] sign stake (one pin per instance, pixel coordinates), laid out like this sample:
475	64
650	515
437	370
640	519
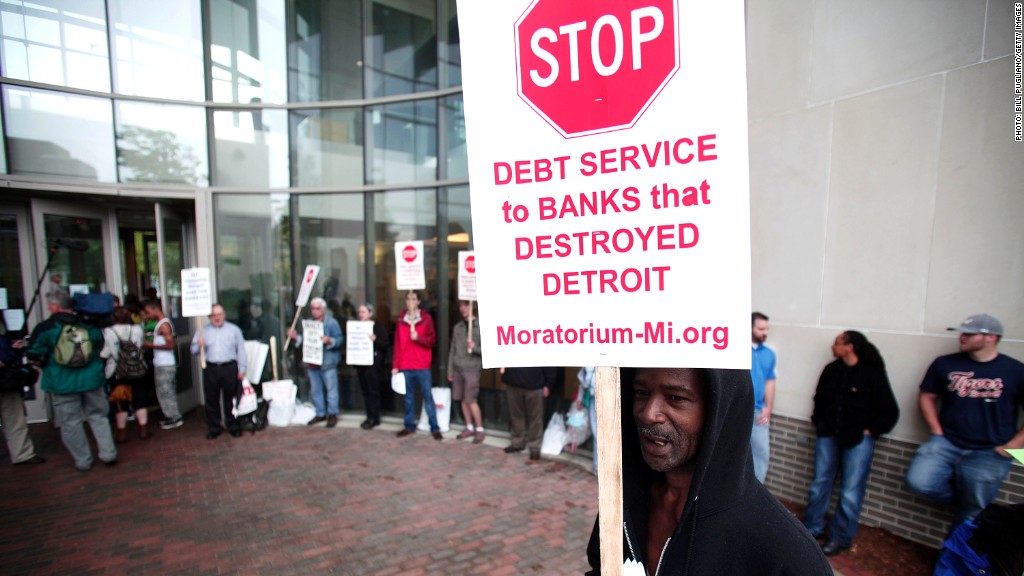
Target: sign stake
609	468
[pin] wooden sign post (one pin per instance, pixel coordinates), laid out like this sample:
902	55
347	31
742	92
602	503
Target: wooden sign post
609	467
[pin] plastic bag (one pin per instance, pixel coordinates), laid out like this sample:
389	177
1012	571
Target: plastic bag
443	405
282	402
554	436
398	382
578	427
246	403
304	412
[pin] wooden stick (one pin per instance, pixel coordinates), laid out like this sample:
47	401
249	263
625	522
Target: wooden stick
273	357
202	349
469	332
609	468
295	320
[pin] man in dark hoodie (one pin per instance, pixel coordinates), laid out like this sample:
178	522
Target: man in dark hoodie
691	503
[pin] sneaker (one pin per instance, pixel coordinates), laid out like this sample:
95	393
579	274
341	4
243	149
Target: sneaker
478	437
465	434
169	423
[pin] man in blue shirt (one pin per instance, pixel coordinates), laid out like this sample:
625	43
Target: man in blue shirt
224	372
762	373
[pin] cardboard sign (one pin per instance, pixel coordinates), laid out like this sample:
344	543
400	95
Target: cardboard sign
196	297
306	287
409	266
467	276
358	346
312	342
607	148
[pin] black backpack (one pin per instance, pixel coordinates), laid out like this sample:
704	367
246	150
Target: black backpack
257	419
130	363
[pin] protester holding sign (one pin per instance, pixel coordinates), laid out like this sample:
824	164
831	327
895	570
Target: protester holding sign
369	375
692	503
323	378
224	348
414	344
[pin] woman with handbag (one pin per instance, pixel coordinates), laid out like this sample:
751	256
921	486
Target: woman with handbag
122	348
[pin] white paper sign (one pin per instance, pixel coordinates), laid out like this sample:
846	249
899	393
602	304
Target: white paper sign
312	342
196	298
3	298
409	266
306	288
14	319
467	275
609	186
358	346
78	289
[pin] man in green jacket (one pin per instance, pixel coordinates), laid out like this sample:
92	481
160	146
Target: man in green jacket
76	389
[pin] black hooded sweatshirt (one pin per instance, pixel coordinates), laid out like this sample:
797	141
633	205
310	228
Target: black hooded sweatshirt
730	524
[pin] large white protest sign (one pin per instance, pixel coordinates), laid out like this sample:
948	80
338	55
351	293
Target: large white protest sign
467	276
306	287
409	266
358	346
312	342
607	147
196	297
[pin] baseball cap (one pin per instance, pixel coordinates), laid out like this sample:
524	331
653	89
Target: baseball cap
980	324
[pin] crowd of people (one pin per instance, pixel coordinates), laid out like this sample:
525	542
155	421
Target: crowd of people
685	431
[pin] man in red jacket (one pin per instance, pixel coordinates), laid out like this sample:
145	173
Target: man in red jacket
414	343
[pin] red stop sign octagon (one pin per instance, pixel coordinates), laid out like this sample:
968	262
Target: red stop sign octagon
592	66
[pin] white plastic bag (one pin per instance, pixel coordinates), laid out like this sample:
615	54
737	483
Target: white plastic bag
554	436
246	403
578	427
443	404
304	412
282	403
398	382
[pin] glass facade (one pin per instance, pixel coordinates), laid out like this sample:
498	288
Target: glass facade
321	130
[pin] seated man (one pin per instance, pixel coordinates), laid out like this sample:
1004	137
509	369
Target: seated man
691	503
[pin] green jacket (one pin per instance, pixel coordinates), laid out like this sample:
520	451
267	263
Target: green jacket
59	379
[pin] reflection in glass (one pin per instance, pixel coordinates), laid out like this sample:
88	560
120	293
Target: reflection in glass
404	145
328	148
56	42
247	55
330	235
402	47
252	148
158	50
254	263
401	216
161	143
457	164
451	49
10	262
325	50
73	270
58	135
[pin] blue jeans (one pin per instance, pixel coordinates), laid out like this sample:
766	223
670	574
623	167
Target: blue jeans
854	465
968	479
419	380
759	448
318	380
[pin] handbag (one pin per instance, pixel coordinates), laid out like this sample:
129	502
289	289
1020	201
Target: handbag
120	393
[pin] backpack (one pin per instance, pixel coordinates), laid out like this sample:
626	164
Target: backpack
130	363
74	348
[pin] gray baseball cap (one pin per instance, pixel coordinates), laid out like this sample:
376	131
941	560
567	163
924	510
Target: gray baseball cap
980	324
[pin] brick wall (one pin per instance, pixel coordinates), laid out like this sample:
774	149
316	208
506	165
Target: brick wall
887	503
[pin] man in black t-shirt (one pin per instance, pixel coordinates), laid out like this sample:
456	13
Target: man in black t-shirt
981	391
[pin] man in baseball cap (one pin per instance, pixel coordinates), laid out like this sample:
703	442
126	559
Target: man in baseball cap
981	391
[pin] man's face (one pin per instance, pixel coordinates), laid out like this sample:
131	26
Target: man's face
974	342
412	302
840	346
759	332
217	316
317	311
668	405
464	309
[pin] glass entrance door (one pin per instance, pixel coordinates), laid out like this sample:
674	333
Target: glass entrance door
172	255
